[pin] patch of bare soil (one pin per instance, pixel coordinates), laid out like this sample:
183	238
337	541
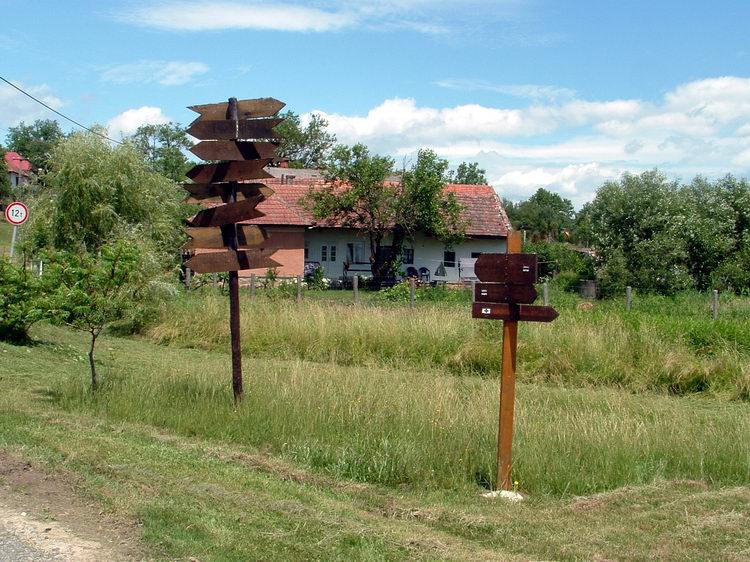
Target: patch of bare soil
44	511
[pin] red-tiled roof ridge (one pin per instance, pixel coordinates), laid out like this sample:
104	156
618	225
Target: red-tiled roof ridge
17	163
482	206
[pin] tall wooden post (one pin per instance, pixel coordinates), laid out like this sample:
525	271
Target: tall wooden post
230	233
508	385
299	289
412	283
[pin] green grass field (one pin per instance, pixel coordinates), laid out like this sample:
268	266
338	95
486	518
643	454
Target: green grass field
368	432
667	345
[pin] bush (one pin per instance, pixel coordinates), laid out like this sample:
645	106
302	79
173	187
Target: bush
23	301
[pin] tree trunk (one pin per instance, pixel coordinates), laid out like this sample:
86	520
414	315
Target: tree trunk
94	383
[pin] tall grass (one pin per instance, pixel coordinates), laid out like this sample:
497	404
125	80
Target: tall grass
399	427
664	345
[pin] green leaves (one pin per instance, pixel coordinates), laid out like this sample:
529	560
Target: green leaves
35	142
664	237
304	147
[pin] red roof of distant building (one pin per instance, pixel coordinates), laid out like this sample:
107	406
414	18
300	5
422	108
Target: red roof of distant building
482	206
17	163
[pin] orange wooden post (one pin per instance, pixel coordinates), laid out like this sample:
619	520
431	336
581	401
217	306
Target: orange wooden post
508	386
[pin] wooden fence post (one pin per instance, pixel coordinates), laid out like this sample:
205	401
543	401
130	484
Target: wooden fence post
188	278
628	298
214	280
715	305
299	289
355	287
253	279
473	289
546	293
412	283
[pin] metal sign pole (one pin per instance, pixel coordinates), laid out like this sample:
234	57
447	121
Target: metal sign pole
13	240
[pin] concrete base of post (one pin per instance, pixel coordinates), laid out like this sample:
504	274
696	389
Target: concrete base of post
507	495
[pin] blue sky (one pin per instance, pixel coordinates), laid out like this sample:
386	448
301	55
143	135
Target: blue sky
559	94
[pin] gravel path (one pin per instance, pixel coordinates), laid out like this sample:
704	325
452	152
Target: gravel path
14	549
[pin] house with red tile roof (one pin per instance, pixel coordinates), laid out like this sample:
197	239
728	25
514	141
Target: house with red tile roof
19	169
301	240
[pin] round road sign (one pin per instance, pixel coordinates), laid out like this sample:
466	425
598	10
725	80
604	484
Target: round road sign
16	213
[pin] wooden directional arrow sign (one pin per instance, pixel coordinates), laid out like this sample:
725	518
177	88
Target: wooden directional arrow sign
260	107
230	130
229	213
248	236
234	150
200	191
229	171
512	269
522	312
500	292
215	262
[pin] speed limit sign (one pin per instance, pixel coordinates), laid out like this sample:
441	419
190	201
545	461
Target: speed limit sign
16	213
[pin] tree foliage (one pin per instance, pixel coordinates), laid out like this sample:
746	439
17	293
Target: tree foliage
661	236
24	300
95	289
545	214
35	142
358	195
5	187
93	193
470	174
163	146
307	146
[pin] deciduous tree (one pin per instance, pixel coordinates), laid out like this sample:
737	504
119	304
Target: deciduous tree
163	146
469	173
35	142
307	146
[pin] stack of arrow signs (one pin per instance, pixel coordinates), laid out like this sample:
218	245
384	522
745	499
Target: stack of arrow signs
508	290
240	136
506	293
226	138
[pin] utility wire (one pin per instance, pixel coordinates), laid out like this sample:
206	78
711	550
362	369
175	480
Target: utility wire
58	113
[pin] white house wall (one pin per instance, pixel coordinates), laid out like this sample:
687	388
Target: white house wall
428	252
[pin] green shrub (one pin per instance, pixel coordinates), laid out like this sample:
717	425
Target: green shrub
23	301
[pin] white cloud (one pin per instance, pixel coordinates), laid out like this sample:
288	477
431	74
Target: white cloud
432	17
16	107
571	144
166	73
530	91
127	122
209	15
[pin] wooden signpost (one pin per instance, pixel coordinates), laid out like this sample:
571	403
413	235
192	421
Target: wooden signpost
240	133
506	293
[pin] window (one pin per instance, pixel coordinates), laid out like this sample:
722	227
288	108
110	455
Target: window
407	256
333	253
355	252
475	255
307	252
324	253
449	259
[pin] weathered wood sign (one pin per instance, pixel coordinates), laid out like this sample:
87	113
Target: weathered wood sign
230	171
500	292
202	191
248	236
234	150
261	107
228	214
225	129
234	130
506	293
231	260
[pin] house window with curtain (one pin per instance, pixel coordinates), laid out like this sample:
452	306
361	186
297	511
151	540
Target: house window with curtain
355	252
407	257
449	258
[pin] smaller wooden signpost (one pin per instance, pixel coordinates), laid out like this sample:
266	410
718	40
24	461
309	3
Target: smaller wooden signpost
506	293
240	134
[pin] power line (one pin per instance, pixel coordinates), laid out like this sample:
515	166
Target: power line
58	113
